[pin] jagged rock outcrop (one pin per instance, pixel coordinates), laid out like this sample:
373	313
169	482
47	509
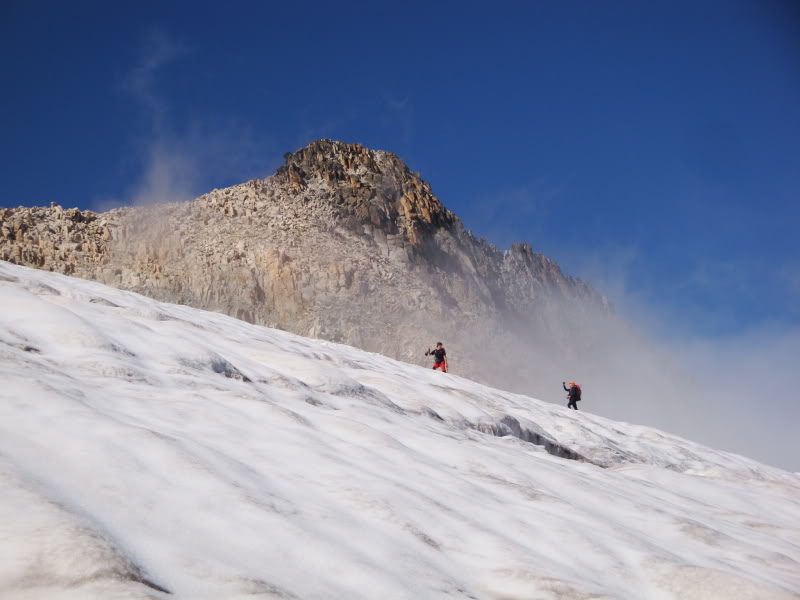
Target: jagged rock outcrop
342	243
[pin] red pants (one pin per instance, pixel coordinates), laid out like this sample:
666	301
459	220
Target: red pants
440	367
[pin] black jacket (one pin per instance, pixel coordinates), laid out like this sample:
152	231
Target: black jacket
438	354
574	392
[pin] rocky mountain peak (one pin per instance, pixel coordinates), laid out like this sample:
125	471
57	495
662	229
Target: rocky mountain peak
372	187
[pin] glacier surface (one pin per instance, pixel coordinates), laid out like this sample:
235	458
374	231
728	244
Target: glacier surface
150	450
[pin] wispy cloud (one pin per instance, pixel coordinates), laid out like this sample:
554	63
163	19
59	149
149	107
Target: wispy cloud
157	51
182	158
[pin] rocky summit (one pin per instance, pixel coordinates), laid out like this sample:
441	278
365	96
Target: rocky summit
342	243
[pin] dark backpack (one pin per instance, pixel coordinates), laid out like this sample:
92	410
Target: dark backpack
577	393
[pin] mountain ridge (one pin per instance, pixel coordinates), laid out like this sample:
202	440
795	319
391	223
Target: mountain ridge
342	243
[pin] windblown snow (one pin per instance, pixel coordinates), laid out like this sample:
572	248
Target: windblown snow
150	450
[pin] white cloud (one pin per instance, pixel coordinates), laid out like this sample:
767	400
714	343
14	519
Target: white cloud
183	158
158	50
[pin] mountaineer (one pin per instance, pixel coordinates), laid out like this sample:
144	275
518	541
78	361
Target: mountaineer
574	394
439	357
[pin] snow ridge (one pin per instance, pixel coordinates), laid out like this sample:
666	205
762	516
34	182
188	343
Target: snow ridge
150	450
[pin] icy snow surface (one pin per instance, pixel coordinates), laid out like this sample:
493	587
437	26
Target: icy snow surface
150	450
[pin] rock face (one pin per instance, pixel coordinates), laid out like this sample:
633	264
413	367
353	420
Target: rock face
342	243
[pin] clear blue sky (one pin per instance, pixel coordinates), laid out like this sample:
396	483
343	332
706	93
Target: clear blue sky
653	147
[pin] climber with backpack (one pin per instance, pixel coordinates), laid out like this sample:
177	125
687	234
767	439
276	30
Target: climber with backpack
439	357
574	394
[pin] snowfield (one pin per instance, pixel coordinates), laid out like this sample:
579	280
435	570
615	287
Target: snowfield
150	450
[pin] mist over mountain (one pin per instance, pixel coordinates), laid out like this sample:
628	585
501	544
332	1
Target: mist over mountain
346	244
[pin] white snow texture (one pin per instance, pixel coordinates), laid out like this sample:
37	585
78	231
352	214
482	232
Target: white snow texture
150	450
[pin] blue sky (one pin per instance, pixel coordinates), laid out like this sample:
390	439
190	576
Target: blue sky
651	147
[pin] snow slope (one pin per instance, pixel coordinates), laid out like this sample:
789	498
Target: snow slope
150	450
